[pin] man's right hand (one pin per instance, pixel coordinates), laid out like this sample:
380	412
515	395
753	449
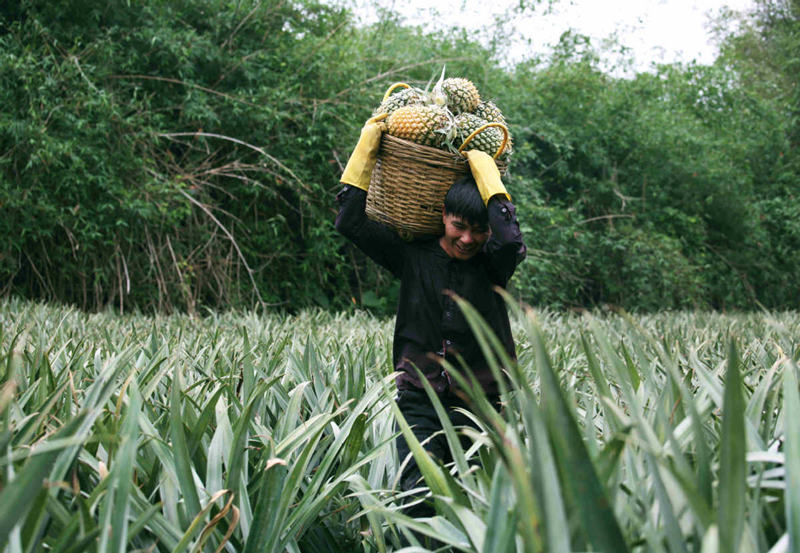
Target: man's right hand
358	170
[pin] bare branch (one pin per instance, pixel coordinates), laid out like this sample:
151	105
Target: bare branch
261	151
605	217
233	242
188	85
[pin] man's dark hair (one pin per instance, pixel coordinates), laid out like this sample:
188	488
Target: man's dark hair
463	200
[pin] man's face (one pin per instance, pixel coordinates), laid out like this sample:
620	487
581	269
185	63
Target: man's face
461	239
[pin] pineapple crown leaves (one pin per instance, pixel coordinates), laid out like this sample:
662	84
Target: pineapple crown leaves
450	132
437	95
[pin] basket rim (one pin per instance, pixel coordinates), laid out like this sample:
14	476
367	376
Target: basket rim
419	153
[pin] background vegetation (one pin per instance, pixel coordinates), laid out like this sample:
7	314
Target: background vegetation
185	155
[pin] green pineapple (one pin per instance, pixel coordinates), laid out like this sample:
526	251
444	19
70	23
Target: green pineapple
460	95
489	140
405	97
489	111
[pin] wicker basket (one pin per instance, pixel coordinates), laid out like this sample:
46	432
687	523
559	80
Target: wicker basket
409	183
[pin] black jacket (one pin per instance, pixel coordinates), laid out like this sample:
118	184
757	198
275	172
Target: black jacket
429	323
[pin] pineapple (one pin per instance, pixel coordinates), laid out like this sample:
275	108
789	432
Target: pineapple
489	111
407	96
422	124
460	95
488	140
444	116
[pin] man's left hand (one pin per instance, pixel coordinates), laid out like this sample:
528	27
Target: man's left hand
486	174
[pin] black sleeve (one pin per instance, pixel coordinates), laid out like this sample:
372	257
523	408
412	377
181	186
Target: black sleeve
505	248
378	241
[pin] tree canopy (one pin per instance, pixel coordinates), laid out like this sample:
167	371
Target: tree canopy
185	155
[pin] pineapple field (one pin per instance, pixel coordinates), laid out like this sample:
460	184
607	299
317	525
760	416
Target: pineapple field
672	432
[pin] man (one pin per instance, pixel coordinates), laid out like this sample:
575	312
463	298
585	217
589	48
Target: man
479	250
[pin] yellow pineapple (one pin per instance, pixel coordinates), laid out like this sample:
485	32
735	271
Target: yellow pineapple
423	124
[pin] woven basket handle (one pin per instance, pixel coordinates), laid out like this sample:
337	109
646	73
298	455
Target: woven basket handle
479	130
392	89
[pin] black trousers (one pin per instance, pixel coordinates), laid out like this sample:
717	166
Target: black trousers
424	422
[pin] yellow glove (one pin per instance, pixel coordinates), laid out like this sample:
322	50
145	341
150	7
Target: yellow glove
486	175
359	167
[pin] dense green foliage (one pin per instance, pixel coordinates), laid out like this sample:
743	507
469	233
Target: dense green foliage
186	155
275	433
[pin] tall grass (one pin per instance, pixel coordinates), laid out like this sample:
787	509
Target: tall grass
674	432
